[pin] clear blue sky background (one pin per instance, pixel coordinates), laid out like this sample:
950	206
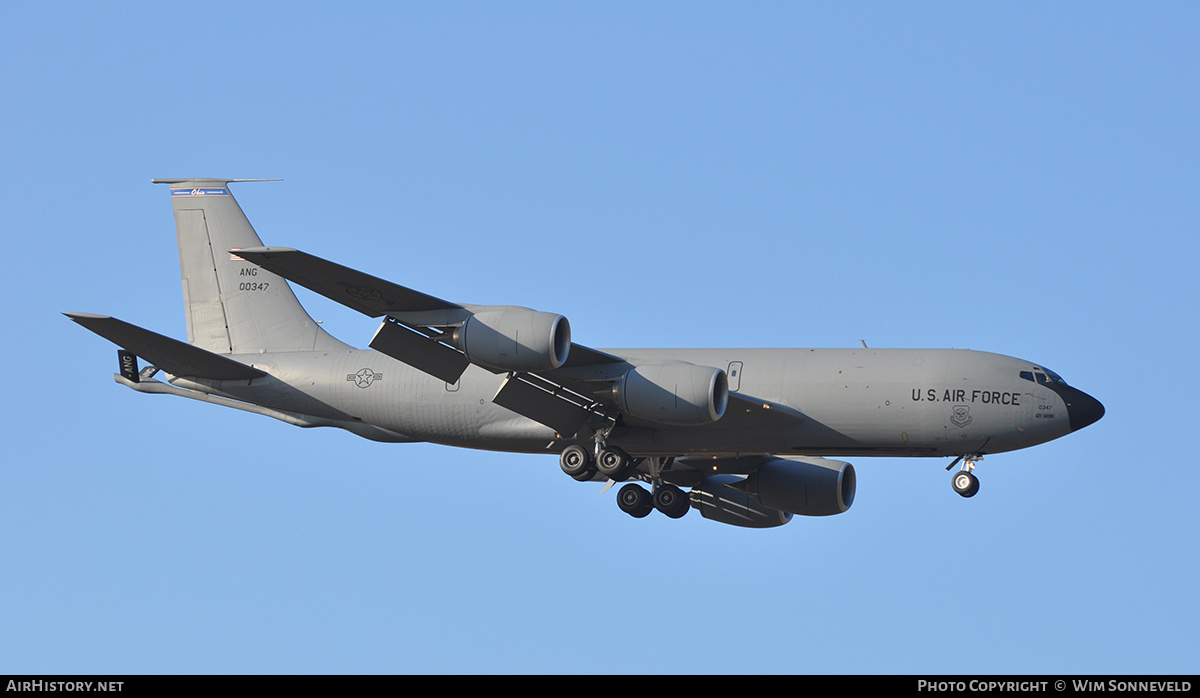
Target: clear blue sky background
1019	178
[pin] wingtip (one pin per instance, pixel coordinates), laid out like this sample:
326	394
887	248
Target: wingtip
86	316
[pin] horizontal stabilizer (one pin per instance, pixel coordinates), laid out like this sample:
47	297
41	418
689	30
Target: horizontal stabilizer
171	355
367	294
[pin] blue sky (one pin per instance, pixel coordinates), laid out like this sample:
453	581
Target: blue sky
1018	178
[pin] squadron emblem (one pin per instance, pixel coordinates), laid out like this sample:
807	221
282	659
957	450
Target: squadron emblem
960	415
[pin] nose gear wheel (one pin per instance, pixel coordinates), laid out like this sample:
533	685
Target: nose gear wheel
964	481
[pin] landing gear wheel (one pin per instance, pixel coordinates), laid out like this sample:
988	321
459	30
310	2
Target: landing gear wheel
671	501
965	483
613	463
635	501
576	462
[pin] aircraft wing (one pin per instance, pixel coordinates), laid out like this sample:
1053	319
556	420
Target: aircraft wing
171	355
419	330
367	294
373	296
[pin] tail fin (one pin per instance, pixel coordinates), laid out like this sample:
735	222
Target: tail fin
233	307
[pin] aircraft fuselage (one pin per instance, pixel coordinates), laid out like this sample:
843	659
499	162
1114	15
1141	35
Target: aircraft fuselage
855	402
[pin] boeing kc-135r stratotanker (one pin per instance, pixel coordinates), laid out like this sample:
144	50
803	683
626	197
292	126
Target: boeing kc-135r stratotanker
747	430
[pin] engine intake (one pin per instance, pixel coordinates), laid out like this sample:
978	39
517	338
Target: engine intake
679	394
515	340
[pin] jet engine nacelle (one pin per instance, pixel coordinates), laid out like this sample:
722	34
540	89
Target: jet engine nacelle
680	394
515	340
806	486
730	505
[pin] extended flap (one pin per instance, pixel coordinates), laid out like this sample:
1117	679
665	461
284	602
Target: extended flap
528	400
419	351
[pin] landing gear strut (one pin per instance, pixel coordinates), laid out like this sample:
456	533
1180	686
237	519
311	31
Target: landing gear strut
964	481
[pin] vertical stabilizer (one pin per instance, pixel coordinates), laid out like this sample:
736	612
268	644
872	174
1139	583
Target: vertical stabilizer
233	306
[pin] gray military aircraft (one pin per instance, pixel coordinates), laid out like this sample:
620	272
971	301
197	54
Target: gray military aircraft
747	430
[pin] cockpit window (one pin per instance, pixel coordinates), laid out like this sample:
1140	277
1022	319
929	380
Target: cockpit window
1042	375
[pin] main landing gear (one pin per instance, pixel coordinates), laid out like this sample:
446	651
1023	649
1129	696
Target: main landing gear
615	464
610	461
577	462
668	499
635	501
964	481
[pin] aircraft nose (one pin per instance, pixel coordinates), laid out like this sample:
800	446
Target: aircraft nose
1082	409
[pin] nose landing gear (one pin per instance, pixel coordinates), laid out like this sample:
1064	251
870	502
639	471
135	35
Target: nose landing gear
964	481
